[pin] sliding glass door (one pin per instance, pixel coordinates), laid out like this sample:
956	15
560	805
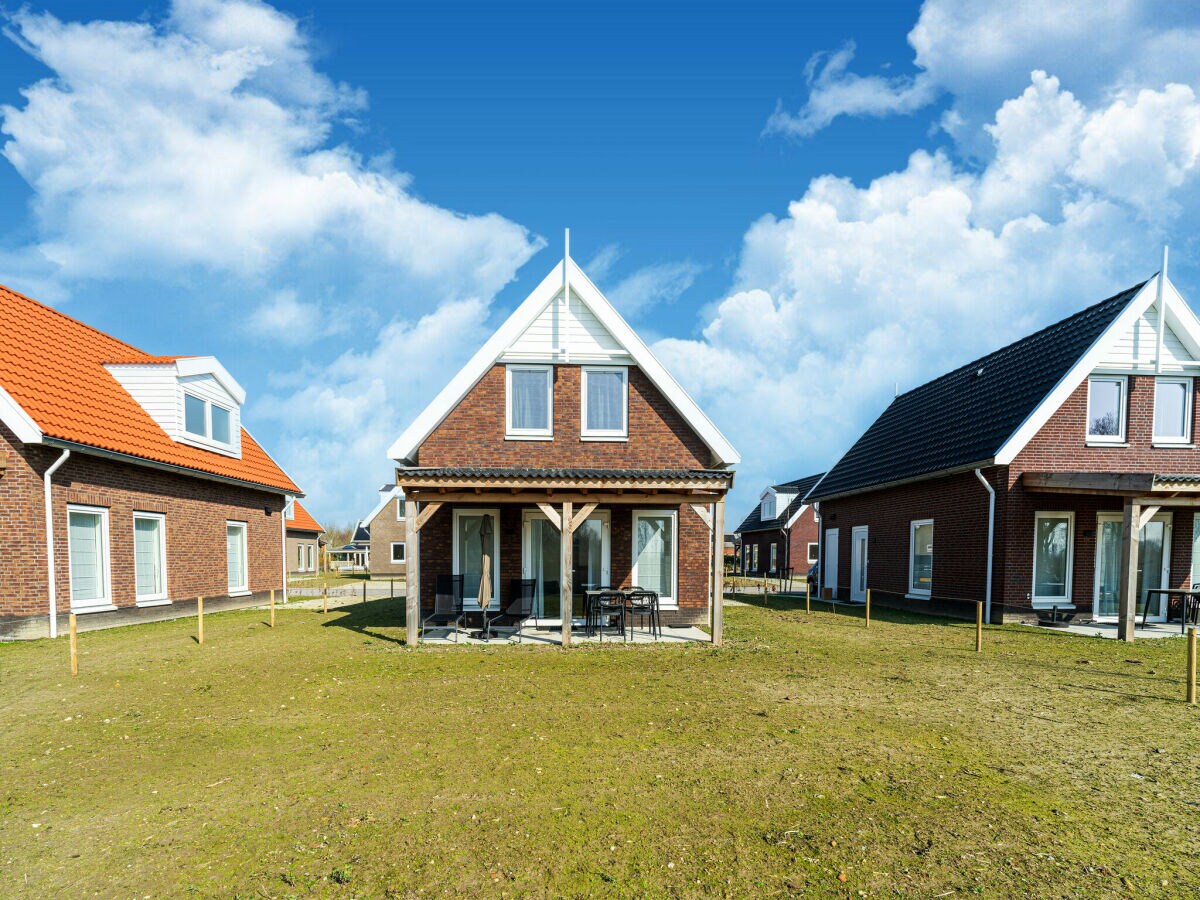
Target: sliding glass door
654	553
470	526
541	545
1153	570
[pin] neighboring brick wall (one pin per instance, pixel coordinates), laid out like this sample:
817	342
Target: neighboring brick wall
763	540
196	511
803	532
295	540
473	434
386	529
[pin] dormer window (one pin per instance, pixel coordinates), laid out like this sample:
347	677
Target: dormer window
766	510
205	419
1106	409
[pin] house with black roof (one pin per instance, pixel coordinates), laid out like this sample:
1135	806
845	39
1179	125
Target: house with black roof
1057	476
779	536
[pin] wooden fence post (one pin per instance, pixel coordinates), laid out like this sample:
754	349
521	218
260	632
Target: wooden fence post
764	589
807	597
272	607
325	599
867	609
1191	666
75	646
978	626
364	592
200	620
392	589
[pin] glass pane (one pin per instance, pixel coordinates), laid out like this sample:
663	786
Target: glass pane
653	546
1150	562
1050	563
1196	548
530	409
1104	408
1170	409
1109	590
235	556
193	415
470	558
922	561
220	424
605	401
87	566
147	557
545	558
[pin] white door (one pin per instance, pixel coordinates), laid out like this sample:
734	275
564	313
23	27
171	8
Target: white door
858	564
829	565
541	560
1154	566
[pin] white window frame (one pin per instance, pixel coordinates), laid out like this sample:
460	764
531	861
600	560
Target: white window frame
289	508
1119	437
399	509
528	434
746	557
1172	440
302	554
456	565
207	437
103	604
312	557
603	434
403	553
913	590
774	554
243	589
160	598
671	602
1067	601
814	552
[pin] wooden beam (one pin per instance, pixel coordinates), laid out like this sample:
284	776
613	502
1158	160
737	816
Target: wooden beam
566	594
412	572
1112	482
1148	513
551	514
718	572
427	513
534	497
1127	593
704	514
580	517
525	482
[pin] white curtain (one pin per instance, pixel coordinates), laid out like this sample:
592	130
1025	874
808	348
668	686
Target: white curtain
605	401
147	556
530	397
87	567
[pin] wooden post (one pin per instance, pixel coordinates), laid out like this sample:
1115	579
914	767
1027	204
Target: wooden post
392	589
1191	665
412	574
200	620
75	646
272	607
867	609
718	600
567	595
978	626
364	592
807	597
764	588
1127	597
325	599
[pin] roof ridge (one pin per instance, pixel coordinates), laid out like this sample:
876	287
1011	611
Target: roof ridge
58	312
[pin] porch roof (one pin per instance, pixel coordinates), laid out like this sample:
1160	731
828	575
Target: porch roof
1161	488
528	478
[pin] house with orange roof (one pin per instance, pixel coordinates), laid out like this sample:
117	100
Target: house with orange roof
129	485
303	550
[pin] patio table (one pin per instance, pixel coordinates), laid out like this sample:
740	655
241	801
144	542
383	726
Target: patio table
1191	605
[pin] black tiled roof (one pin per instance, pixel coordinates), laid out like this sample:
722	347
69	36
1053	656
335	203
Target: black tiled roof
362	534
530	472
801	487
965	416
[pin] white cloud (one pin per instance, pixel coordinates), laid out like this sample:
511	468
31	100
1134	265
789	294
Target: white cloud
659	283
860	287
286	319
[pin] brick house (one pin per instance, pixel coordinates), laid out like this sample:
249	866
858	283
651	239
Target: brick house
779	536
303	541
127	482
564	422
384	532
1059	473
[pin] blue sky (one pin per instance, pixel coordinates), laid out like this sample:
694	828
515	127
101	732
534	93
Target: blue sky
800	205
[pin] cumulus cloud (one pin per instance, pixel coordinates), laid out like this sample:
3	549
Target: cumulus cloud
659	283
859	289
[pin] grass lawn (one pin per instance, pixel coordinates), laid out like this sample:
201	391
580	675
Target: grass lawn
808	756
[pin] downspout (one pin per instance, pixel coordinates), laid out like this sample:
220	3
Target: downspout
820	545
50	540
283	545
987	603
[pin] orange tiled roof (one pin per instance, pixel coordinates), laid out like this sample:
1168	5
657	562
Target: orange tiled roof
53	366
302	519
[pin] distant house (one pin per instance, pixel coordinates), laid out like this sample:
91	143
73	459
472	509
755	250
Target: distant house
128	484
780	535
1057	475
565	427
385	534
303	548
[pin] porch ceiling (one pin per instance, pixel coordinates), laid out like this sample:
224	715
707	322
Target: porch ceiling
1160	489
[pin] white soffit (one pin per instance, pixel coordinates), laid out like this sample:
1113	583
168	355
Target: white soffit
598	321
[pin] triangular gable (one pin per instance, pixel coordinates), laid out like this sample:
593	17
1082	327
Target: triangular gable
1120	347
594	318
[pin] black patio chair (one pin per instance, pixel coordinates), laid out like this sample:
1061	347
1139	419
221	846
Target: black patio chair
610	604
643	604
519	610
447	605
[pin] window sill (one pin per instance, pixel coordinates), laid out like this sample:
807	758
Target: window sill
83	610
1116	445
240	593
610	438
154	601
912	596
529	437
1172	445
1051	604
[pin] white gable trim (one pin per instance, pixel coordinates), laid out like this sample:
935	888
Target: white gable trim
209	365
383	502
796	515
405	447
19	422
1188	330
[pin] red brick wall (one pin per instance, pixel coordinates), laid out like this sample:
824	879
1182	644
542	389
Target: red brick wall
803	532
196	511
473	434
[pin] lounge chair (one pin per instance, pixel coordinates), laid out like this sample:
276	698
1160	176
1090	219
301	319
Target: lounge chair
447	605
518	611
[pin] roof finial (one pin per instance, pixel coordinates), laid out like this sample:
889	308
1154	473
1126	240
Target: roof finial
1164	265
566	243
